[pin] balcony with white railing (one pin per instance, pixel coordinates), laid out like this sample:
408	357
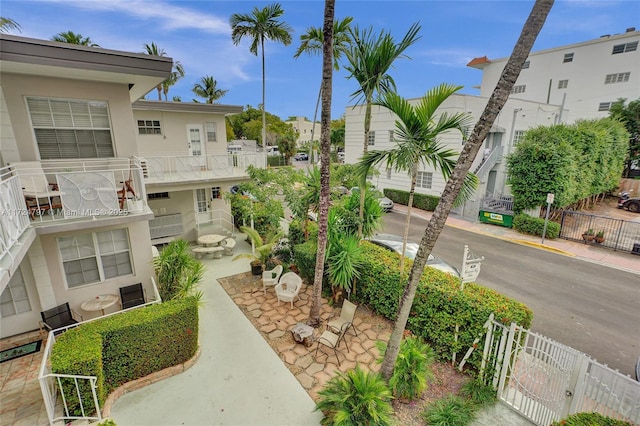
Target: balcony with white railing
14	218
54	192
187	168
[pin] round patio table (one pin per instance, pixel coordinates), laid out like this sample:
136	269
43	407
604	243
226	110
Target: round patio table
210	239
99	303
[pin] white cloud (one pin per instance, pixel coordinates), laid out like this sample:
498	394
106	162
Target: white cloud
169	17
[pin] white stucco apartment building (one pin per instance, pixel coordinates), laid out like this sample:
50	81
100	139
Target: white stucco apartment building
91	177
305	128
556	86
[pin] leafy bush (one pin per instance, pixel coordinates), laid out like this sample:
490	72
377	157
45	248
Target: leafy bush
534	226
305	258
412	368
450	411
590	419
125	347
296	231
355	398
572	161
479	393
420	201
179	273
438	305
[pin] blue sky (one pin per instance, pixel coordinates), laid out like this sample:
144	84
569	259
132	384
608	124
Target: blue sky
197	33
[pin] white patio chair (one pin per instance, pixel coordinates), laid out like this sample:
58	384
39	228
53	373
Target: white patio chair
288	288
270	278
332	340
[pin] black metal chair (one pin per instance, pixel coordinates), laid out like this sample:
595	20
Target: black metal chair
58	317
132	295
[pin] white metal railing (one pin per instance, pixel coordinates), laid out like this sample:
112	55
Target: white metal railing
545	381
58	190
216	221
54	385
169	225
487	163
180	168
14	218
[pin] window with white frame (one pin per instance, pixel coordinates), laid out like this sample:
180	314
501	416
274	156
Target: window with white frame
424	180
70	128
95	257
604	106
519	88
391	132
211	130
157	195
568	57
517	136
563	84
14	299
201	200
621	77
625	47
526	65
215	192
149	127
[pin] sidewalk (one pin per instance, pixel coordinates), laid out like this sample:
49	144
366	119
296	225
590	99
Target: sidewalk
590	253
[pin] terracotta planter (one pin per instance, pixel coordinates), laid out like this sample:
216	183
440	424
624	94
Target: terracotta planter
588	237
599	240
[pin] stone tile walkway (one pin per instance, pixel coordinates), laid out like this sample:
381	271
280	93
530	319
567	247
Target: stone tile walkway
275	322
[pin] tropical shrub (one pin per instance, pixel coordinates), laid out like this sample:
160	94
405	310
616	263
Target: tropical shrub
355	398
263	246
125	347
178	271
450	411
412	369
574	162
439	304
590	419
535	226
420	201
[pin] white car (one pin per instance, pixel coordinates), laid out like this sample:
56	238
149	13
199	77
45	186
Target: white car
386	204
394	243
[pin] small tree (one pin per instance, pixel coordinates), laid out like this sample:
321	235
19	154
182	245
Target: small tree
178	272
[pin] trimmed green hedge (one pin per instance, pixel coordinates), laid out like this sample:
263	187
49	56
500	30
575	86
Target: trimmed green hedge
439	304
534	226
125	347
420	201
590	419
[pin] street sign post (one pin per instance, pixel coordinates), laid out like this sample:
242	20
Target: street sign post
550	197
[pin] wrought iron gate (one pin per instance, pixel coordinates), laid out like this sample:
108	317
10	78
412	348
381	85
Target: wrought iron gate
617	234
545	381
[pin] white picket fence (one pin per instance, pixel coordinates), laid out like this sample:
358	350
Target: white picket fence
546	381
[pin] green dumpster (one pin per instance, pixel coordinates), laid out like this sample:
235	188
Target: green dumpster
501	219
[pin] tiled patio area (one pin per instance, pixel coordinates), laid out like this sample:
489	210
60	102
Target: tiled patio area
21	401
274	322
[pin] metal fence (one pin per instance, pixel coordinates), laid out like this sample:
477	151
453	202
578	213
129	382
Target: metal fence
617	234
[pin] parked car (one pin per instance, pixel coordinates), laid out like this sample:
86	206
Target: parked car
626	202
386	204
393	242
301	156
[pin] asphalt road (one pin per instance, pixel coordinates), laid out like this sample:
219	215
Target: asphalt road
590	307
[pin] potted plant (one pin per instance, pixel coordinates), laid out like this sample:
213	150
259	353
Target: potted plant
599	238
589	235
263	248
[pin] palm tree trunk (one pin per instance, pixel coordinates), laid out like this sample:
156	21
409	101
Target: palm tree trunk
159	89
499	97
367	127
325	138
405	237
264	107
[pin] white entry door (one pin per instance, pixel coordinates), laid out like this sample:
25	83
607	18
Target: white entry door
195	140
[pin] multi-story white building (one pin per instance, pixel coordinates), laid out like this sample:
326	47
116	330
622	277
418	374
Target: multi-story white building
90	176
305	128
557	85
584	77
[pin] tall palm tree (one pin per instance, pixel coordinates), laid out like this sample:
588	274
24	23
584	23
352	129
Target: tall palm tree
311	42
7	24
418	132
369	60
496	102
176	74
261	25
325	147
208	89
74	38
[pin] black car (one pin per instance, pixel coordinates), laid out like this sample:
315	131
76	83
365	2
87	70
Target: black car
631	204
